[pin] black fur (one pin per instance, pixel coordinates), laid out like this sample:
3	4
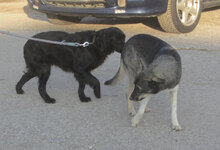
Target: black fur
39	57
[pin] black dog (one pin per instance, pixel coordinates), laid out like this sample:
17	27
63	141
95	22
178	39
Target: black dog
39	57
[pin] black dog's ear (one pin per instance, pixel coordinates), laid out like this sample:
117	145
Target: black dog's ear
102	40
118	39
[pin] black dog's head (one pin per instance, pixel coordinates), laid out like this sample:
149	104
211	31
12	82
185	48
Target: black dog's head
110	40
146	84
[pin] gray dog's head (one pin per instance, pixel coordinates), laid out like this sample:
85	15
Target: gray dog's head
146	83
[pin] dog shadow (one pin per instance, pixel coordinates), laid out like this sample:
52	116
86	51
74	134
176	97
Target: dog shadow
150	22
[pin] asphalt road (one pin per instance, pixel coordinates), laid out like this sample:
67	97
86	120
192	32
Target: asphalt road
27	123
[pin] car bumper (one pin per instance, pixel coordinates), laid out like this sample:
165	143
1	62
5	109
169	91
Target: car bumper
142	8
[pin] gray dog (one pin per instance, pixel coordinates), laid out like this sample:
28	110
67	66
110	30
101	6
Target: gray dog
152	66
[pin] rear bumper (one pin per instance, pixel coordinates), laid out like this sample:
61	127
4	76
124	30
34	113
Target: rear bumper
134	8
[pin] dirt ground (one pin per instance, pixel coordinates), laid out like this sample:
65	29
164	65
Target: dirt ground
27	123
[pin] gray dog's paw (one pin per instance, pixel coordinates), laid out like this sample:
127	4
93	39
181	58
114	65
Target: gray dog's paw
177	127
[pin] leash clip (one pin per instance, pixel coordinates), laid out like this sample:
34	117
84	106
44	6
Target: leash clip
85	44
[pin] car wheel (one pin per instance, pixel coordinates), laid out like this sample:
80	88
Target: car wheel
182	16
62	20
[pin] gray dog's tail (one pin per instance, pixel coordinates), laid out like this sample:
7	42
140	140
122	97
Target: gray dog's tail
118	76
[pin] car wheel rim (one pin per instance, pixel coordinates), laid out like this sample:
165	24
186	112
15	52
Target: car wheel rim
187	11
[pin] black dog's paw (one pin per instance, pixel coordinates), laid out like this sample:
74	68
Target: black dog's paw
97	93
19	91
85	99
108	82
50	101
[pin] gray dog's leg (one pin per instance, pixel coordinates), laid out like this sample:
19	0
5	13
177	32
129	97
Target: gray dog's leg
147	109
173	95
136	119
131	109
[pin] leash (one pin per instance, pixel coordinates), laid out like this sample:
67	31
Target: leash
74	44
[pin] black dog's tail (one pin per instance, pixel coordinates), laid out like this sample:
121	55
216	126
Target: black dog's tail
118	76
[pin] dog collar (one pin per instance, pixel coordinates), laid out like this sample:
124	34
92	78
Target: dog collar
93	38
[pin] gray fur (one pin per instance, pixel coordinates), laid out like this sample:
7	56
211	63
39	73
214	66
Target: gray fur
152	66
148	58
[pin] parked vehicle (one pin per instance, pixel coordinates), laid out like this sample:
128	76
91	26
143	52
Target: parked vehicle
178	16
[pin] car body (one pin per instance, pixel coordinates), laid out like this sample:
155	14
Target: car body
123	9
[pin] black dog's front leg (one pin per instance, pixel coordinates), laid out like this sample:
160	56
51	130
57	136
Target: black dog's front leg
94	82
96	85
88	78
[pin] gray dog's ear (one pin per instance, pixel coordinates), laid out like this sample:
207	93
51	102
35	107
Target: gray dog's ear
149	75
146	75
158	80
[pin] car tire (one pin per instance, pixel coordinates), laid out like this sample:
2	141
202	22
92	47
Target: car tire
182	16
62	20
